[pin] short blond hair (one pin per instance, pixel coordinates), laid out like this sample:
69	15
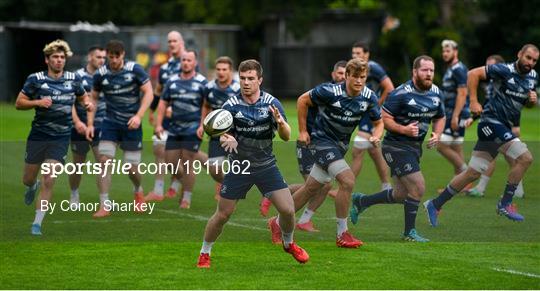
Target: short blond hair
58	45
355	67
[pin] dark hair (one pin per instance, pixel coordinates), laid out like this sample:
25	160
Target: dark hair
190	50
496	58
356	66
528	46
251	65
225	60
115	47
361	45
95	48
416	63
340	64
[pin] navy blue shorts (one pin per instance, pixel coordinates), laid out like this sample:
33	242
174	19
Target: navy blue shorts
365	124
129	140
80	145
448	129
305	159
401	162
215	149
41	147
324	155
267	180
491	136
188	142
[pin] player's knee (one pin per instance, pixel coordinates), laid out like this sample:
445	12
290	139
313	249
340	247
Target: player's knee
48	181
525	159
478	165
473	173
224	215
346	184
132	157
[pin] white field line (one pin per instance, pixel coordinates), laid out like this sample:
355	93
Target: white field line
204	218
514	272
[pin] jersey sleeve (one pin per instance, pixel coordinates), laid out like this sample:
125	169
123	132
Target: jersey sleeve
140	75
321	94
440	110
98	78
460	76
277	103
78	86
497	71
392	103
374	108
30	87
166	93
377	72
162	76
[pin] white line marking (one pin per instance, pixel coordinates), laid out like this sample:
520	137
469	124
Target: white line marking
516	272
203	218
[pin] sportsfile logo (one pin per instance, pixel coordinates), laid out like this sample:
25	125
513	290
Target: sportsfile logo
118	167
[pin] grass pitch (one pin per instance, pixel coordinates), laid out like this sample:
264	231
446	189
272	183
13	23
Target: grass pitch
473	248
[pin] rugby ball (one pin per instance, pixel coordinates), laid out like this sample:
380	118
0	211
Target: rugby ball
218	122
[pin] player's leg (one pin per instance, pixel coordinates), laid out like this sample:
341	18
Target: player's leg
381	167
304	222
158	149
34	156
107	151
188	180
214	227
361	202
216	157
480	188
345	179
517	151
415	185
447	149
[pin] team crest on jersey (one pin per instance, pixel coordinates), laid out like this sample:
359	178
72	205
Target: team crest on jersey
67	85
263	112
128	77
436	100
195	86
532	83
363	105
330	156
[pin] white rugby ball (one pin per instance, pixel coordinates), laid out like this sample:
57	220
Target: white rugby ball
218	122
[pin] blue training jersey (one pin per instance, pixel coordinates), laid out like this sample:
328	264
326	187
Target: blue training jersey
87	82
339	113
254	128
186	99
217	96
376	75
510	93
455	77
168	69
121	90
408	104
56	120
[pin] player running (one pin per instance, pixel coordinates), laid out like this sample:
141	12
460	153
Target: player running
257	115
478	190
514	87
122	83
184	92
380	83
341	107
407	113
52	94
172	67
79	144
456	104
217	92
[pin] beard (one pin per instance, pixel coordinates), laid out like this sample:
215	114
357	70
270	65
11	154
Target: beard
523	69
423	84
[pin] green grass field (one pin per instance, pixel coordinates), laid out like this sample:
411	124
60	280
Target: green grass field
473	248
